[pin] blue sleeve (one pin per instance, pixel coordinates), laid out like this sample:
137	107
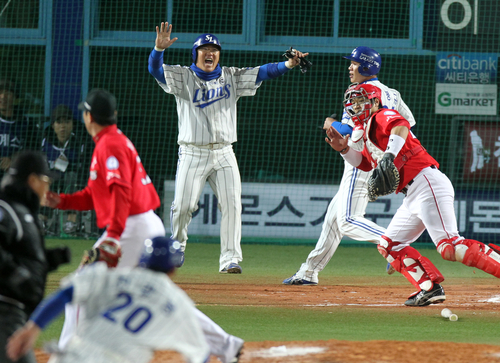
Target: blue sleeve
155	66
343	129
51	307
270	71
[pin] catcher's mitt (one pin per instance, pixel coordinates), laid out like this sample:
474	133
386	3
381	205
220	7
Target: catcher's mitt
108	251
384	179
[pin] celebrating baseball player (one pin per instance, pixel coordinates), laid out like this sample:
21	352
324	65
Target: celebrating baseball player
345	214
124	199
402	164
206	96
130	313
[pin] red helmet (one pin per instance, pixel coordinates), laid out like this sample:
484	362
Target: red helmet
357	101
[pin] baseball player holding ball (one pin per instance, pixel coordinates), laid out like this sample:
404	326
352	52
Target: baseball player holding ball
124	198
345	213
206	96
130	313
401	164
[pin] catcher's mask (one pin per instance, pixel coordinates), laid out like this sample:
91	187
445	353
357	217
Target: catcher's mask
358	101
161	254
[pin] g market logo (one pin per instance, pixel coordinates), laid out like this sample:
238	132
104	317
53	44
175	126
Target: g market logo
446	100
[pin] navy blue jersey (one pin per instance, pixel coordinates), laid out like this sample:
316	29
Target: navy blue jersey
12	136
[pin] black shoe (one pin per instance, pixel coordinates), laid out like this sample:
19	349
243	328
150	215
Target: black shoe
423	298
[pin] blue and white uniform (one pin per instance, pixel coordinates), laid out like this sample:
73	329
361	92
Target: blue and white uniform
130	313
345	214
206	108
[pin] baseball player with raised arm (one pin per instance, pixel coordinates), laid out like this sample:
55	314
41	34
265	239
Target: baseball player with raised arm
124	198
206	96
402	164
130	313
345	213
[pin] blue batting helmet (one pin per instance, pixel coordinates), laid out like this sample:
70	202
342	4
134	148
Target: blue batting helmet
202	40
161	254
369	59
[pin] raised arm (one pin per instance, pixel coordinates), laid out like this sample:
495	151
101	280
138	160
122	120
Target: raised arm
162	42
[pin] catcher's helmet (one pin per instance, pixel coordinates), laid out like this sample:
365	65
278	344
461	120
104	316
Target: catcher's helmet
357	102
161	254
369	59
202	40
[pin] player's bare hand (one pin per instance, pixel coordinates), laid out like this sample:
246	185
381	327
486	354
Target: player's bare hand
292	62
328	123
163	40
52	199
22	341
336	140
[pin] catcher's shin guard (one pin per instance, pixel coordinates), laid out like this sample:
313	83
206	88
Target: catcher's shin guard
417	269
476	254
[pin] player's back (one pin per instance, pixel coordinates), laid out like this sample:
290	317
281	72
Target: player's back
133	312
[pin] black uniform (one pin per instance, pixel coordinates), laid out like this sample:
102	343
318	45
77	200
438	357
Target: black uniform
24	261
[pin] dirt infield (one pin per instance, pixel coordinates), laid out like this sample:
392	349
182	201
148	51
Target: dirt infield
483	296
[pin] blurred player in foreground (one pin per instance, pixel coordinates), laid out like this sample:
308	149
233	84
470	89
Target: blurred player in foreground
206	96
124	199
24	260
130	313
345	214
118	189
402	164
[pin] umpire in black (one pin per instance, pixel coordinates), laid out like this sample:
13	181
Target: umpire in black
24	260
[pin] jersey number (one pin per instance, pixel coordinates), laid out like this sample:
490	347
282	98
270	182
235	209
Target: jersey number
134	320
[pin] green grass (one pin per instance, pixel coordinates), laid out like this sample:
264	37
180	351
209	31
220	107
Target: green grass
351	265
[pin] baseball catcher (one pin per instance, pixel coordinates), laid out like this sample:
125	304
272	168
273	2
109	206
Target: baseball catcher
428	205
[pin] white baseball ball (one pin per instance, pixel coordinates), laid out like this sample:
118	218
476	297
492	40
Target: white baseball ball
446	313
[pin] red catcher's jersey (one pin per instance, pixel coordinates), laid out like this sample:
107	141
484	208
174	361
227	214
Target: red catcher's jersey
115	161
411	159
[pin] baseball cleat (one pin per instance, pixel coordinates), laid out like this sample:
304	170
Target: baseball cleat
232	268
236	358
294	280
181	261
389	269
423	298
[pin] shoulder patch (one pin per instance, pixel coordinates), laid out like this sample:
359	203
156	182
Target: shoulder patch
389	113
112	163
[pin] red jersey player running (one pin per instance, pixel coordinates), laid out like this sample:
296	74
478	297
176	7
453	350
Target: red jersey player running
429	196
118	189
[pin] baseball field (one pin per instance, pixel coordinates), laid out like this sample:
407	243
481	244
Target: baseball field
355	314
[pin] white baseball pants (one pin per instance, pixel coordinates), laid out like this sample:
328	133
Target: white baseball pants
344	217
429	204
195	166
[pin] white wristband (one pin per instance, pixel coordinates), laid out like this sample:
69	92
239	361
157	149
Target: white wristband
159	49
395	144
353	157
288	65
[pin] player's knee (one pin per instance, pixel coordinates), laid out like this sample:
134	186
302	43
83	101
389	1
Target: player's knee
447	249
385	246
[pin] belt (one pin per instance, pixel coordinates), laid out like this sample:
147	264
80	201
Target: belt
405	189
213	146
11	301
